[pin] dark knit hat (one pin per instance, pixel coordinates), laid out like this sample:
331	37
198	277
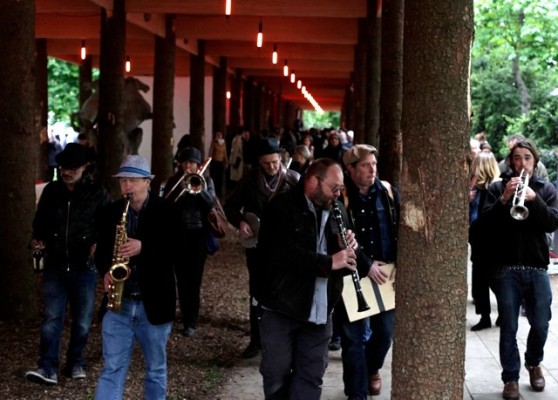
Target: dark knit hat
190	154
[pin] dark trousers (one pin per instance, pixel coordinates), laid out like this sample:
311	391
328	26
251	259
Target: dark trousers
189	278
255	309
294	357
482	275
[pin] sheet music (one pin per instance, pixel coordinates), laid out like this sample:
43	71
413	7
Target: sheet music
379	297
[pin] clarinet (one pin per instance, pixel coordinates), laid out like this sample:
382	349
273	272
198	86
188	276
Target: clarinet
361	301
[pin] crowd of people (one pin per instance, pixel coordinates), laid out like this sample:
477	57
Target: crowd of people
310	210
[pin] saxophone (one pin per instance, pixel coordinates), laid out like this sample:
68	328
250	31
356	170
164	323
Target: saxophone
119	271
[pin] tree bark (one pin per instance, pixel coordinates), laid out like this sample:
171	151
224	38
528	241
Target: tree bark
235	104
359	104
391	140
18	293
197	98
220	97
41	108
373	73
163	111
429	351
111	142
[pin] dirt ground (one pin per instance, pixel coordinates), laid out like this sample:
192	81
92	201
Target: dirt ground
197	366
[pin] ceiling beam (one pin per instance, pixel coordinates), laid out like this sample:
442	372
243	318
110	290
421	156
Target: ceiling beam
289	51
264	8
275	29
297	65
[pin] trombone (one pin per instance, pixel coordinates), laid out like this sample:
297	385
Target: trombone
518	210
193	183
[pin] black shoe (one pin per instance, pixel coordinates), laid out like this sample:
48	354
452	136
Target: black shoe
483	324
251	351
188	331
335	344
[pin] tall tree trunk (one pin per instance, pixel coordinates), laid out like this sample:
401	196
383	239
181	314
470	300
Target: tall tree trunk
111	142
19	159
220	97
41	108
429	351
391	140
359	99
373	72
235	104
197	98
163	111
524	95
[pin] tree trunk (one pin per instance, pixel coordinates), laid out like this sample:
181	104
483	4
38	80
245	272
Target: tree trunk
429	351
197	98
163	112
111	143
17	110
220	97
391	140
41	108
524	96
235	104
359	104
373	72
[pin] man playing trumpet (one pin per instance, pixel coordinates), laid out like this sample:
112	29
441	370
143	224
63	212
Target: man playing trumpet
521	261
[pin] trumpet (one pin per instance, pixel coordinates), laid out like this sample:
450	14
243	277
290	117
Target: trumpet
192	183
518	210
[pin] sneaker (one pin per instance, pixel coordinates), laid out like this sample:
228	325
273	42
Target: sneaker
78	373
40	376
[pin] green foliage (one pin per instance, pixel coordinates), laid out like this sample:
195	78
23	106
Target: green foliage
524	30
63	90
313	119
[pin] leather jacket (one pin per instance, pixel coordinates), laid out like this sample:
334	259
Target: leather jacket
66	222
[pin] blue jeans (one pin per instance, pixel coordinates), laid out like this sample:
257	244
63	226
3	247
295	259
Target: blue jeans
364	345
120	331
60	288
511	286
294	357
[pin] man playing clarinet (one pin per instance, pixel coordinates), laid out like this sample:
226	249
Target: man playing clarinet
303	260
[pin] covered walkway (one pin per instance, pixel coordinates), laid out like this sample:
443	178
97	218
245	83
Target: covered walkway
482	366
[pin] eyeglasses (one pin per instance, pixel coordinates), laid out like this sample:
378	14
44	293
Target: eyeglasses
333	188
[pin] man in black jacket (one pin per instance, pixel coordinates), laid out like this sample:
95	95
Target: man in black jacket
244	207
303	262
521	258
64	232
149	294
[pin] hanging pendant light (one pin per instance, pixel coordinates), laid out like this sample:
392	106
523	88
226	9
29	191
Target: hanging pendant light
286	69
228	7
83	50
128	64
274	56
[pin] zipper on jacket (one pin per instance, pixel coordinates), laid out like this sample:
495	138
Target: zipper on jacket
67	237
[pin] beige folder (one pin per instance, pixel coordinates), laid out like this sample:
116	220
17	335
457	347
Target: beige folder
378	297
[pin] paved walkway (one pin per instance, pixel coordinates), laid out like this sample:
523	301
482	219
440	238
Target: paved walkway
482	366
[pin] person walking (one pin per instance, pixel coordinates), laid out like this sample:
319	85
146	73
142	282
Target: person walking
64	232
148	298
521	256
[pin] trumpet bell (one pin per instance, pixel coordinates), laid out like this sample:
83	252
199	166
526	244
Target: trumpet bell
519	212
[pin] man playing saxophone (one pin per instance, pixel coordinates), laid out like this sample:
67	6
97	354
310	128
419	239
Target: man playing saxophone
148	300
